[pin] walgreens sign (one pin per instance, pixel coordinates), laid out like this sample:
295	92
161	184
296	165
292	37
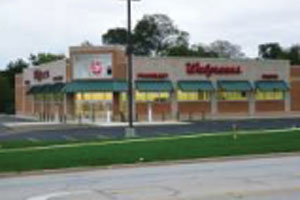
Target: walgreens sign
40	75
209	69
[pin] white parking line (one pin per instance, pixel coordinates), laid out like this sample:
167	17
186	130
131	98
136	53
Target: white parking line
69	138
57	194
31	139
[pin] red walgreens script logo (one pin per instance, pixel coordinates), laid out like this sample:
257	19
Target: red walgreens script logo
208	69
40	75
96	68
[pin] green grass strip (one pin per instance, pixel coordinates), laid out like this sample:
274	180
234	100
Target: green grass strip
13	146
159	149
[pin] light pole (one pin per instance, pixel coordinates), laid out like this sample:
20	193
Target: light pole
130	132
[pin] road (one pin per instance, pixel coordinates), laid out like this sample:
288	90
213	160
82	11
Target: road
75	132
276	178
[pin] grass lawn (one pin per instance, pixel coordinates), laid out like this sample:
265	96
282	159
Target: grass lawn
102	153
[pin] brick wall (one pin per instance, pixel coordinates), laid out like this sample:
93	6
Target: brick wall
269	106
194	107
233	107
295	88
160	111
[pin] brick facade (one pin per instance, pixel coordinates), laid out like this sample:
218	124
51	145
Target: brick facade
269	106
233	107
295	88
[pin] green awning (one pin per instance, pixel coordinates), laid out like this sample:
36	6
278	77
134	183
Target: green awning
34	89
154	86
57	87
234	85
96	86
195	86
46	88
271	85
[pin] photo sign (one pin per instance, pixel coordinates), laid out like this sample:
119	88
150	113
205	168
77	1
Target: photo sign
92	66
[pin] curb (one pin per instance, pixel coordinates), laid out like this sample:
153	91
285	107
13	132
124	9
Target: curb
149	164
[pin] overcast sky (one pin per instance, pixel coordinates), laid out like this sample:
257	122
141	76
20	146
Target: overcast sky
31	26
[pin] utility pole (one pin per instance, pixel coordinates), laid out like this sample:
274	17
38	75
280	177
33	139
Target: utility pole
130	131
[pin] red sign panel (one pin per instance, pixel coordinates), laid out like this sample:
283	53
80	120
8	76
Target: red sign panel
40	75
208	69
153	75
270	76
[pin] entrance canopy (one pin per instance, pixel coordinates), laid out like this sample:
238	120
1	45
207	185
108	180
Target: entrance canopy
154	86
234	85
96	86
195	86
46	88
271	85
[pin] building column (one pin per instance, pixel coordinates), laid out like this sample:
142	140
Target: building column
287	101
251	103
214	103
174	105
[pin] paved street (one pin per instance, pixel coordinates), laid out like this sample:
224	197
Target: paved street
84	132
256	179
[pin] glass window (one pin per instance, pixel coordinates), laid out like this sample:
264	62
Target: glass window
232	95
192	96
152	96
97	96
269	95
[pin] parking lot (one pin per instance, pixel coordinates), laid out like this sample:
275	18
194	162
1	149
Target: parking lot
88	132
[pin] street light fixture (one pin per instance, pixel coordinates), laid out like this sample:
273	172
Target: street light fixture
130	132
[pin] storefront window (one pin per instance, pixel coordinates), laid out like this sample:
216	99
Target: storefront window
98	96
152	96
58	97
233	95
269	95
192	96
38	97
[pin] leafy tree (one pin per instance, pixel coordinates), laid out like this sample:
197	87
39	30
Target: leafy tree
276	51
152	35
271	51
13	68
6	97
293	54
42	58
155	33
225	49
115	36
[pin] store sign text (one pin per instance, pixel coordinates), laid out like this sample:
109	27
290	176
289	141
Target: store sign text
270	76
41	75
209	70
153	75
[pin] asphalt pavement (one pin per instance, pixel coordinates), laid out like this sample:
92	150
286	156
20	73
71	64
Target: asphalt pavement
86	132
276	178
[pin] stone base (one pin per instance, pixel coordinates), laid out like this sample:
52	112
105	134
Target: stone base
130	132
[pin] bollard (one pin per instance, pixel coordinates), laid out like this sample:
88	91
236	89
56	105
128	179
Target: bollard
190	116
178	116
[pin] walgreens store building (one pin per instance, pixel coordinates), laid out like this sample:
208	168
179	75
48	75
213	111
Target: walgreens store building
91	86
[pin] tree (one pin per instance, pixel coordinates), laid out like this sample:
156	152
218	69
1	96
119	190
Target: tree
115	36
225	49
152	35
293	54
13	68
271	51
276	51
42	58
156	33
6	100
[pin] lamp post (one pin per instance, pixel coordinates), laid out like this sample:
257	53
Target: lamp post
130	132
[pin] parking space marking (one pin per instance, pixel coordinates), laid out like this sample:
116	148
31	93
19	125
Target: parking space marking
31	139
69	138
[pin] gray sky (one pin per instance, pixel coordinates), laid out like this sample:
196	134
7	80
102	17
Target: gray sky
31	26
